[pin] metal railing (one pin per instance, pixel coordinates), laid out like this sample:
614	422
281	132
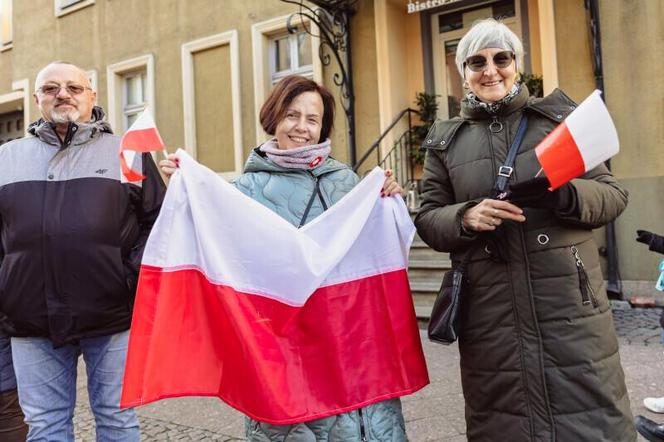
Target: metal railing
398	158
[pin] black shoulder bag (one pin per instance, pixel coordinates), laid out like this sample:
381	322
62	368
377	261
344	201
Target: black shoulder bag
444	323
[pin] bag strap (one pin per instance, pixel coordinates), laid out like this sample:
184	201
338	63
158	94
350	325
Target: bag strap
502	180
505	171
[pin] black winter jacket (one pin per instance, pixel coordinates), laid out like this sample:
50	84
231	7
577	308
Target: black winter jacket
72	234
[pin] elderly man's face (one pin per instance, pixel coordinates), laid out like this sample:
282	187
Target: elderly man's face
63	94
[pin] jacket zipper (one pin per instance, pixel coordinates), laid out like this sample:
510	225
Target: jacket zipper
493	154
587	292
363	435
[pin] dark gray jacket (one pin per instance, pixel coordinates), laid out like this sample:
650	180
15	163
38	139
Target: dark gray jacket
72	232
539	356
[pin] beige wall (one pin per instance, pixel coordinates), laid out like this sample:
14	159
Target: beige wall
112	31
574	54
633	50
214	124
365	77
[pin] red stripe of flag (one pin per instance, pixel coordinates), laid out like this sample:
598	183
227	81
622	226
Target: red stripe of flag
559	156
143	140
273	362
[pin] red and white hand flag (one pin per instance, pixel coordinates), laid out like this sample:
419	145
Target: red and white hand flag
142	136
584	140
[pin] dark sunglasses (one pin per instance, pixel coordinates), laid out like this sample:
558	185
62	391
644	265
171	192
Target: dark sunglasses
54	89
477	63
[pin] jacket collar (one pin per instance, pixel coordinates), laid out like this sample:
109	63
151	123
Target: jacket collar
477	113
78	133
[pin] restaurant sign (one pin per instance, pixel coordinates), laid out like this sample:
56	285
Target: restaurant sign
422	5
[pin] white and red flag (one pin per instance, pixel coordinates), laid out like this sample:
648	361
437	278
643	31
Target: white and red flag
584	140
283	324
141	137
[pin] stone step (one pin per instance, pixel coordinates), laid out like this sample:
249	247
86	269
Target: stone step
427	254
434	264
425	285
420	274
423	312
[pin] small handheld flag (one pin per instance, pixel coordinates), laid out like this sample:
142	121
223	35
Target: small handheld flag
142	136
584	140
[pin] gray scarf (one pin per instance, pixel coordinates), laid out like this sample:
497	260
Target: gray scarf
495	107
306	157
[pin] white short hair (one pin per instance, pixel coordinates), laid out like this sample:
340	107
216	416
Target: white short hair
488	33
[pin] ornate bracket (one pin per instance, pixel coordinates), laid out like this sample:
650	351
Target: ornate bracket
332	19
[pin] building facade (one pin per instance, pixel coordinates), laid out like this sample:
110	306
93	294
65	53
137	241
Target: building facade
204	67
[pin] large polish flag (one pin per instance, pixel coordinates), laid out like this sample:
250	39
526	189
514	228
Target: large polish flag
141	137
584	140
283	324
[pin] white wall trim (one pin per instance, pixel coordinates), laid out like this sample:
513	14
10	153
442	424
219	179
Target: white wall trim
23	87
189	94
59	12
114	74
260	33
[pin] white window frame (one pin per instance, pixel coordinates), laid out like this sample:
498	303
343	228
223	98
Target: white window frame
189	94
306	71
261	34
115	74
75	5
9	44
137	108
20	96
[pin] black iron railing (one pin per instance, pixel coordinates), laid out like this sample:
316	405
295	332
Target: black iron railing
399	156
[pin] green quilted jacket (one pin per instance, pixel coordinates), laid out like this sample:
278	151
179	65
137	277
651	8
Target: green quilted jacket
288	192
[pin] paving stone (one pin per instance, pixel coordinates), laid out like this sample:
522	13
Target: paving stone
435	413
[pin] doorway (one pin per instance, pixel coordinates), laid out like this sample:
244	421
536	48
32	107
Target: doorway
447	29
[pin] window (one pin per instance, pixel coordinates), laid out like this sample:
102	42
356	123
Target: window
290	54
63	7
277	53
130	90
133	97
6	31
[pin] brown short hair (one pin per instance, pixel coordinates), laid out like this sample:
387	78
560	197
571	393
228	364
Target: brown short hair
275	107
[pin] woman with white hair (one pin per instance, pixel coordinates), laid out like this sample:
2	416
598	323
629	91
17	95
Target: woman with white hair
539	355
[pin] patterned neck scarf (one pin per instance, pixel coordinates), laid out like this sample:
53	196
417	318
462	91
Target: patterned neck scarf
306	157
495	107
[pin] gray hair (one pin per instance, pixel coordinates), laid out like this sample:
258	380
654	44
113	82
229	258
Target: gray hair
488	33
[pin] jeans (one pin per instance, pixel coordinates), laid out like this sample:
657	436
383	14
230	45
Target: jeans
46	379
12	427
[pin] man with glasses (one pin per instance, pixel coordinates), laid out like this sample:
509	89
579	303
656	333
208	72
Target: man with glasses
72	238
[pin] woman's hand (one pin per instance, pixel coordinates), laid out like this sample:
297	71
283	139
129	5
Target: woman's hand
489	214
390	187
169	165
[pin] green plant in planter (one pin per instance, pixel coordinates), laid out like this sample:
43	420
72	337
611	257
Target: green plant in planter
427	107
534	83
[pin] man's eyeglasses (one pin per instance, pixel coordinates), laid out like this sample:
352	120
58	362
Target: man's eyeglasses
478	63
54	89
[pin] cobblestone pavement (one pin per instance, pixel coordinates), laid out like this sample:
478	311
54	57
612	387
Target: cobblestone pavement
638	325
432	414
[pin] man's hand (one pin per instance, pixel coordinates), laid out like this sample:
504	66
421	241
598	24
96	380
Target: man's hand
655	242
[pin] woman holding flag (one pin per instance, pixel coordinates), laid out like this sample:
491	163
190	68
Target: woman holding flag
539	356
293	175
